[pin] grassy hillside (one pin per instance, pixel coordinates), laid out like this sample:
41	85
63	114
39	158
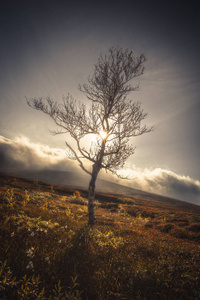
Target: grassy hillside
138	249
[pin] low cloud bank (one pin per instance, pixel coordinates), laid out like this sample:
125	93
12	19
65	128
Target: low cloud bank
165	182
21	154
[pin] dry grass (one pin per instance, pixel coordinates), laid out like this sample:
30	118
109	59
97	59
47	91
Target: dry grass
137	250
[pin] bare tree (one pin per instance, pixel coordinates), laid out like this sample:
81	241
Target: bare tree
112	117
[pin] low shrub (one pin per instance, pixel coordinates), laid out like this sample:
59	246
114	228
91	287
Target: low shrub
114	206
181	233
165	227
194	227
77	199
125	200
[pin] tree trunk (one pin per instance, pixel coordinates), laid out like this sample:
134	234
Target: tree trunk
91	196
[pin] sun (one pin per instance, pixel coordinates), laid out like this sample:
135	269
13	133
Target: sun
103	134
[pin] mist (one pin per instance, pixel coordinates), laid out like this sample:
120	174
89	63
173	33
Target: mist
20	154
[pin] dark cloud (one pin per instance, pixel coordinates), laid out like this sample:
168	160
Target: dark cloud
21	154
168	183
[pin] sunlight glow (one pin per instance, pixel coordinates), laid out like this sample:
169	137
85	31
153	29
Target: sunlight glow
103	134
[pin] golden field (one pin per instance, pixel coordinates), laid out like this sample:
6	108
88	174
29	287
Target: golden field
138	249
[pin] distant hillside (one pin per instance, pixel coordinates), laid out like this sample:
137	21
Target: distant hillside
75	180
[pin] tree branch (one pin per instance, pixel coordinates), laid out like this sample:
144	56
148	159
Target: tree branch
78	159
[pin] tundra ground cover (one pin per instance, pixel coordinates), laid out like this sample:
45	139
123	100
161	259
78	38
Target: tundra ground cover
137	250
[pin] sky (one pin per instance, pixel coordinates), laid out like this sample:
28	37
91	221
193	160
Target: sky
48	47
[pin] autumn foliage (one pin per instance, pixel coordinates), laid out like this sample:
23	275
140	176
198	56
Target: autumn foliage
138	249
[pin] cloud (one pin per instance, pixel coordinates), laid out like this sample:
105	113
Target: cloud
165	182
22	154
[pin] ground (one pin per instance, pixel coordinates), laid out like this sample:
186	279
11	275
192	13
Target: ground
137	250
